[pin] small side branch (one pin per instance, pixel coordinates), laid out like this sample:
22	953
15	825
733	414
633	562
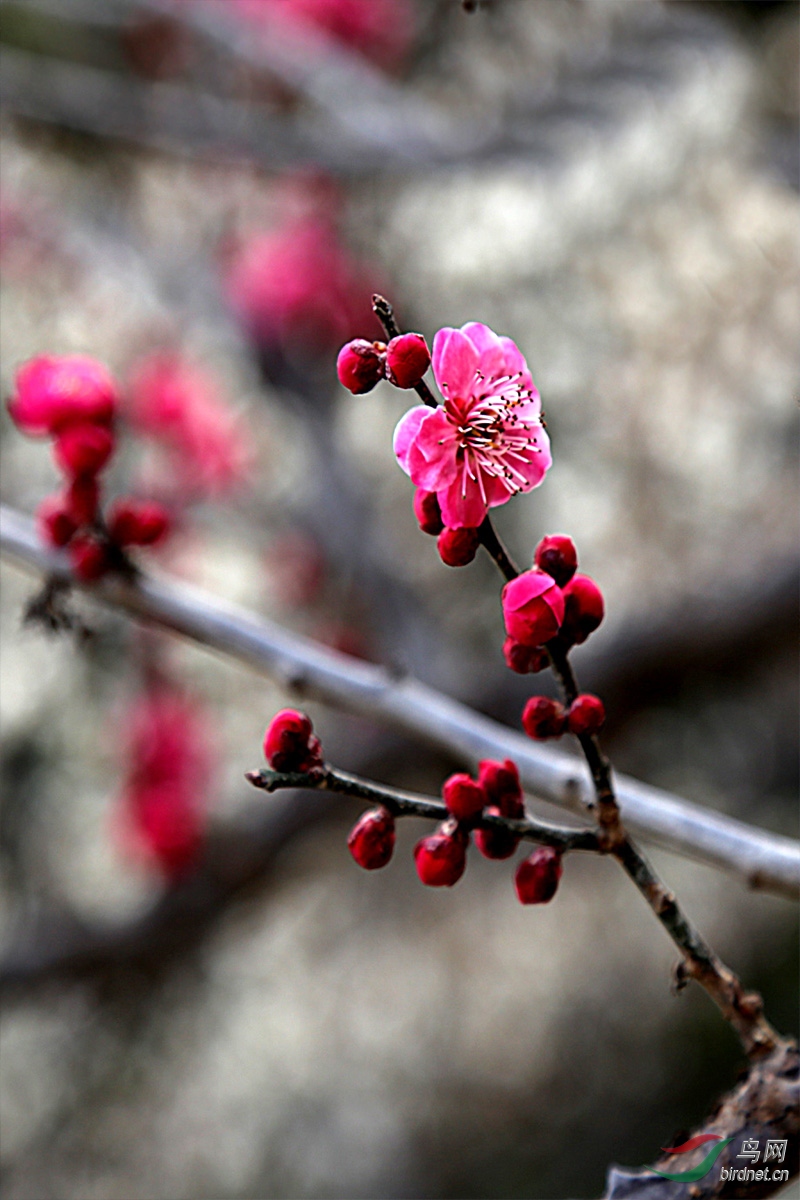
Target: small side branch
405	804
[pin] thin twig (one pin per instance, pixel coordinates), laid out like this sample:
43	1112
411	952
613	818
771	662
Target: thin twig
762	859
405	804
385	314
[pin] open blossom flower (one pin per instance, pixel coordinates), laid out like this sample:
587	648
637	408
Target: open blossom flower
487	441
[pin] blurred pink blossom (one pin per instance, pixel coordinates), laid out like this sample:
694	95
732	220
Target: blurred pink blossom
165	790
182	406
299	286
380	30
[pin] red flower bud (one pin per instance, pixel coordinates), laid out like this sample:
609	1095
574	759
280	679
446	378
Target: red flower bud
82	498
457	547
83	449
89	557
54	391
372	839
525	660
500	782
463	796
137	522
407	359
441	859
543	718
428	512
557	556
495	843
54	522
360	365
586	715
290	744
537	876
583	609
533	608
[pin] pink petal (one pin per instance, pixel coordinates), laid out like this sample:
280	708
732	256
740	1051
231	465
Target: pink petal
406	431
515	360
482	337
462	511
431	474
492	357
527	587
437	437
455	361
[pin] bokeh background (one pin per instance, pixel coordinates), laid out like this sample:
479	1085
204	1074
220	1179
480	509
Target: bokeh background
213	190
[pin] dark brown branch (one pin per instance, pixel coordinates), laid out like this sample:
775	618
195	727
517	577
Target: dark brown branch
385	314
404	804
764	1104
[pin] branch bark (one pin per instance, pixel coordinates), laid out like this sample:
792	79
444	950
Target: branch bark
762	859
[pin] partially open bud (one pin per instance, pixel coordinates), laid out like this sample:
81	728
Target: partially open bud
290	744
537	876
458	547
372	838
586	715
441	858
428	512
543	718
525	660
556	554
583	609
407	359
55	391
463	796
360	365
533	608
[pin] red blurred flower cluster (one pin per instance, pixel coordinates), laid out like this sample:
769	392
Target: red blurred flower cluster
74	399
163	798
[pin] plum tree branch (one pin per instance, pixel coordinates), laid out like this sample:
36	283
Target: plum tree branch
762	859
743	1010
405	804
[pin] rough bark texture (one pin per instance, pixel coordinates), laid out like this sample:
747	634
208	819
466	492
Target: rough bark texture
764	1104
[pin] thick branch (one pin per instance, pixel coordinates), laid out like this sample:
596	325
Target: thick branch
764	860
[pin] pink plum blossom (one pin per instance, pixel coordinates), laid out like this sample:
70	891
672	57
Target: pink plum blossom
487	441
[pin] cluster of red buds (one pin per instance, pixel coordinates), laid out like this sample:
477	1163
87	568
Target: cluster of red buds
403	361
547	602
74	399
440	858
544	718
